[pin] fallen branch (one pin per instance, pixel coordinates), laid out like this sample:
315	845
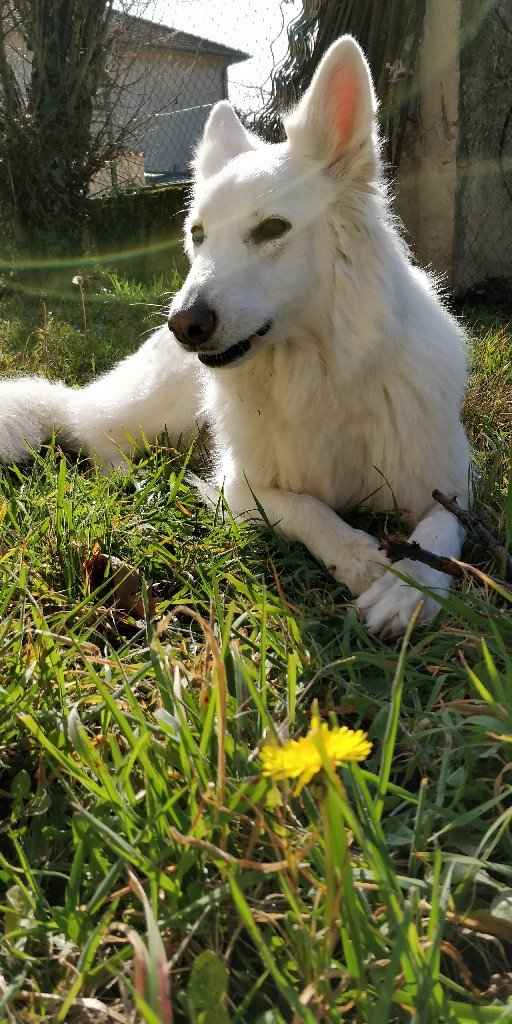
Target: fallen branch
473	525
396	549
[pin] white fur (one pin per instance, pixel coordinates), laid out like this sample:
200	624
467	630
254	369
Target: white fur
353	396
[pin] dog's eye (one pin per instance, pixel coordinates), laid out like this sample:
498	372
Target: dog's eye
269	230
197	232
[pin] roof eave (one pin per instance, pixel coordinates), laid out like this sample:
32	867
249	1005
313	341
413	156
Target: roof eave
206	46
230	57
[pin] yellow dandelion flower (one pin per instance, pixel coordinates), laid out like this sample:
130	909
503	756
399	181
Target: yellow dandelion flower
302	759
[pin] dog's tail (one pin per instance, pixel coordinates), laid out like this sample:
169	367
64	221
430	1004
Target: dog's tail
31	409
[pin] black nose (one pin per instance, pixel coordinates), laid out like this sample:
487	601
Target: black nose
194	325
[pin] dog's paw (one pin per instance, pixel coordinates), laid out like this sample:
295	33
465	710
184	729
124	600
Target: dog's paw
388	605
359	565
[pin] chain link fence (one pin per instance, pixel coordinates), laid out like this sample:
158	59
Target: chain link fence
451	154
161	80
457	146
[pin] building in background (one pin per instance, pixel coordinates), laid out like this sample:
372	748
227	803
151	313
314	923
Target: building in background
176	78
163	83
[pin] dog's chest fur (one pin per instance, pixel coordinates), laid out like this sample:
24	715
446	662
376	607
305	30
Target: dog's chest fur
285	420
295	418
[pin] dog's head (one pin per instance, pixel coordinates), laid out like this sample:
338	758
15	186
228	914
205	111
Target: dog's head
254	232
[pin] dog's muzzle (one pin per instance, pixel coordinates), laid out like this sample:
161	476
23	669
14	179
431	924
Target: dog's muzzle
234	352
194	326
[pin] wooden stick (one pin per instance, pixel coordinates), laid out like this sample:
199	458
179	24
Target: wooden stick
473	525
396	548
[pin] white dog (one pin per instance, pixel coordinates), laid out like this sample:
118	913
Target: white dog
323	358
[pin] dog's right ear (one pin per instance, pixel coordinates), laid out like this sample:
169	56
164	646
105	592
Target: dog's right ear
224	137
335	121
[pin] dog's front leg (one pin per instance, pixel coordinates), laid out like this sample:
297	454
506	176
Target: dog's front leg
388	604
351	556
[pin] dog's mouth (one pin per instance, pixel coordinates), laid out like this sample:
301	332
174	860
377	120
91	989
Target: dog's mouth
230	355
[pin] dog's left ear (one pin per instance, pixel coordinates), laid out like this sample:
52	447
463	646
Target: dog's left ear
224	137
335	121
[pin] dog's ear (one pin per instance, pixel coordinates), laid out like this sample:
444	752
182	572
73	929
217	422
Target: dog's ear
224	137
335	121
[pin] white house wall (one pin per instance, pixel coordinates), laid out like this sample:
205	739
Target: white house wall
172	94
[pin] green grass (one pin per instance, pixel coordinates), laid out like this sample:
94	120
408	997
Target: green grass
136	828
42	329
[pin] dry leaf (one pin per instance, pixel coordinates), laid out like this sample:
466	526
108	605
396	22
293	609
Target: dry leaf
123	585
